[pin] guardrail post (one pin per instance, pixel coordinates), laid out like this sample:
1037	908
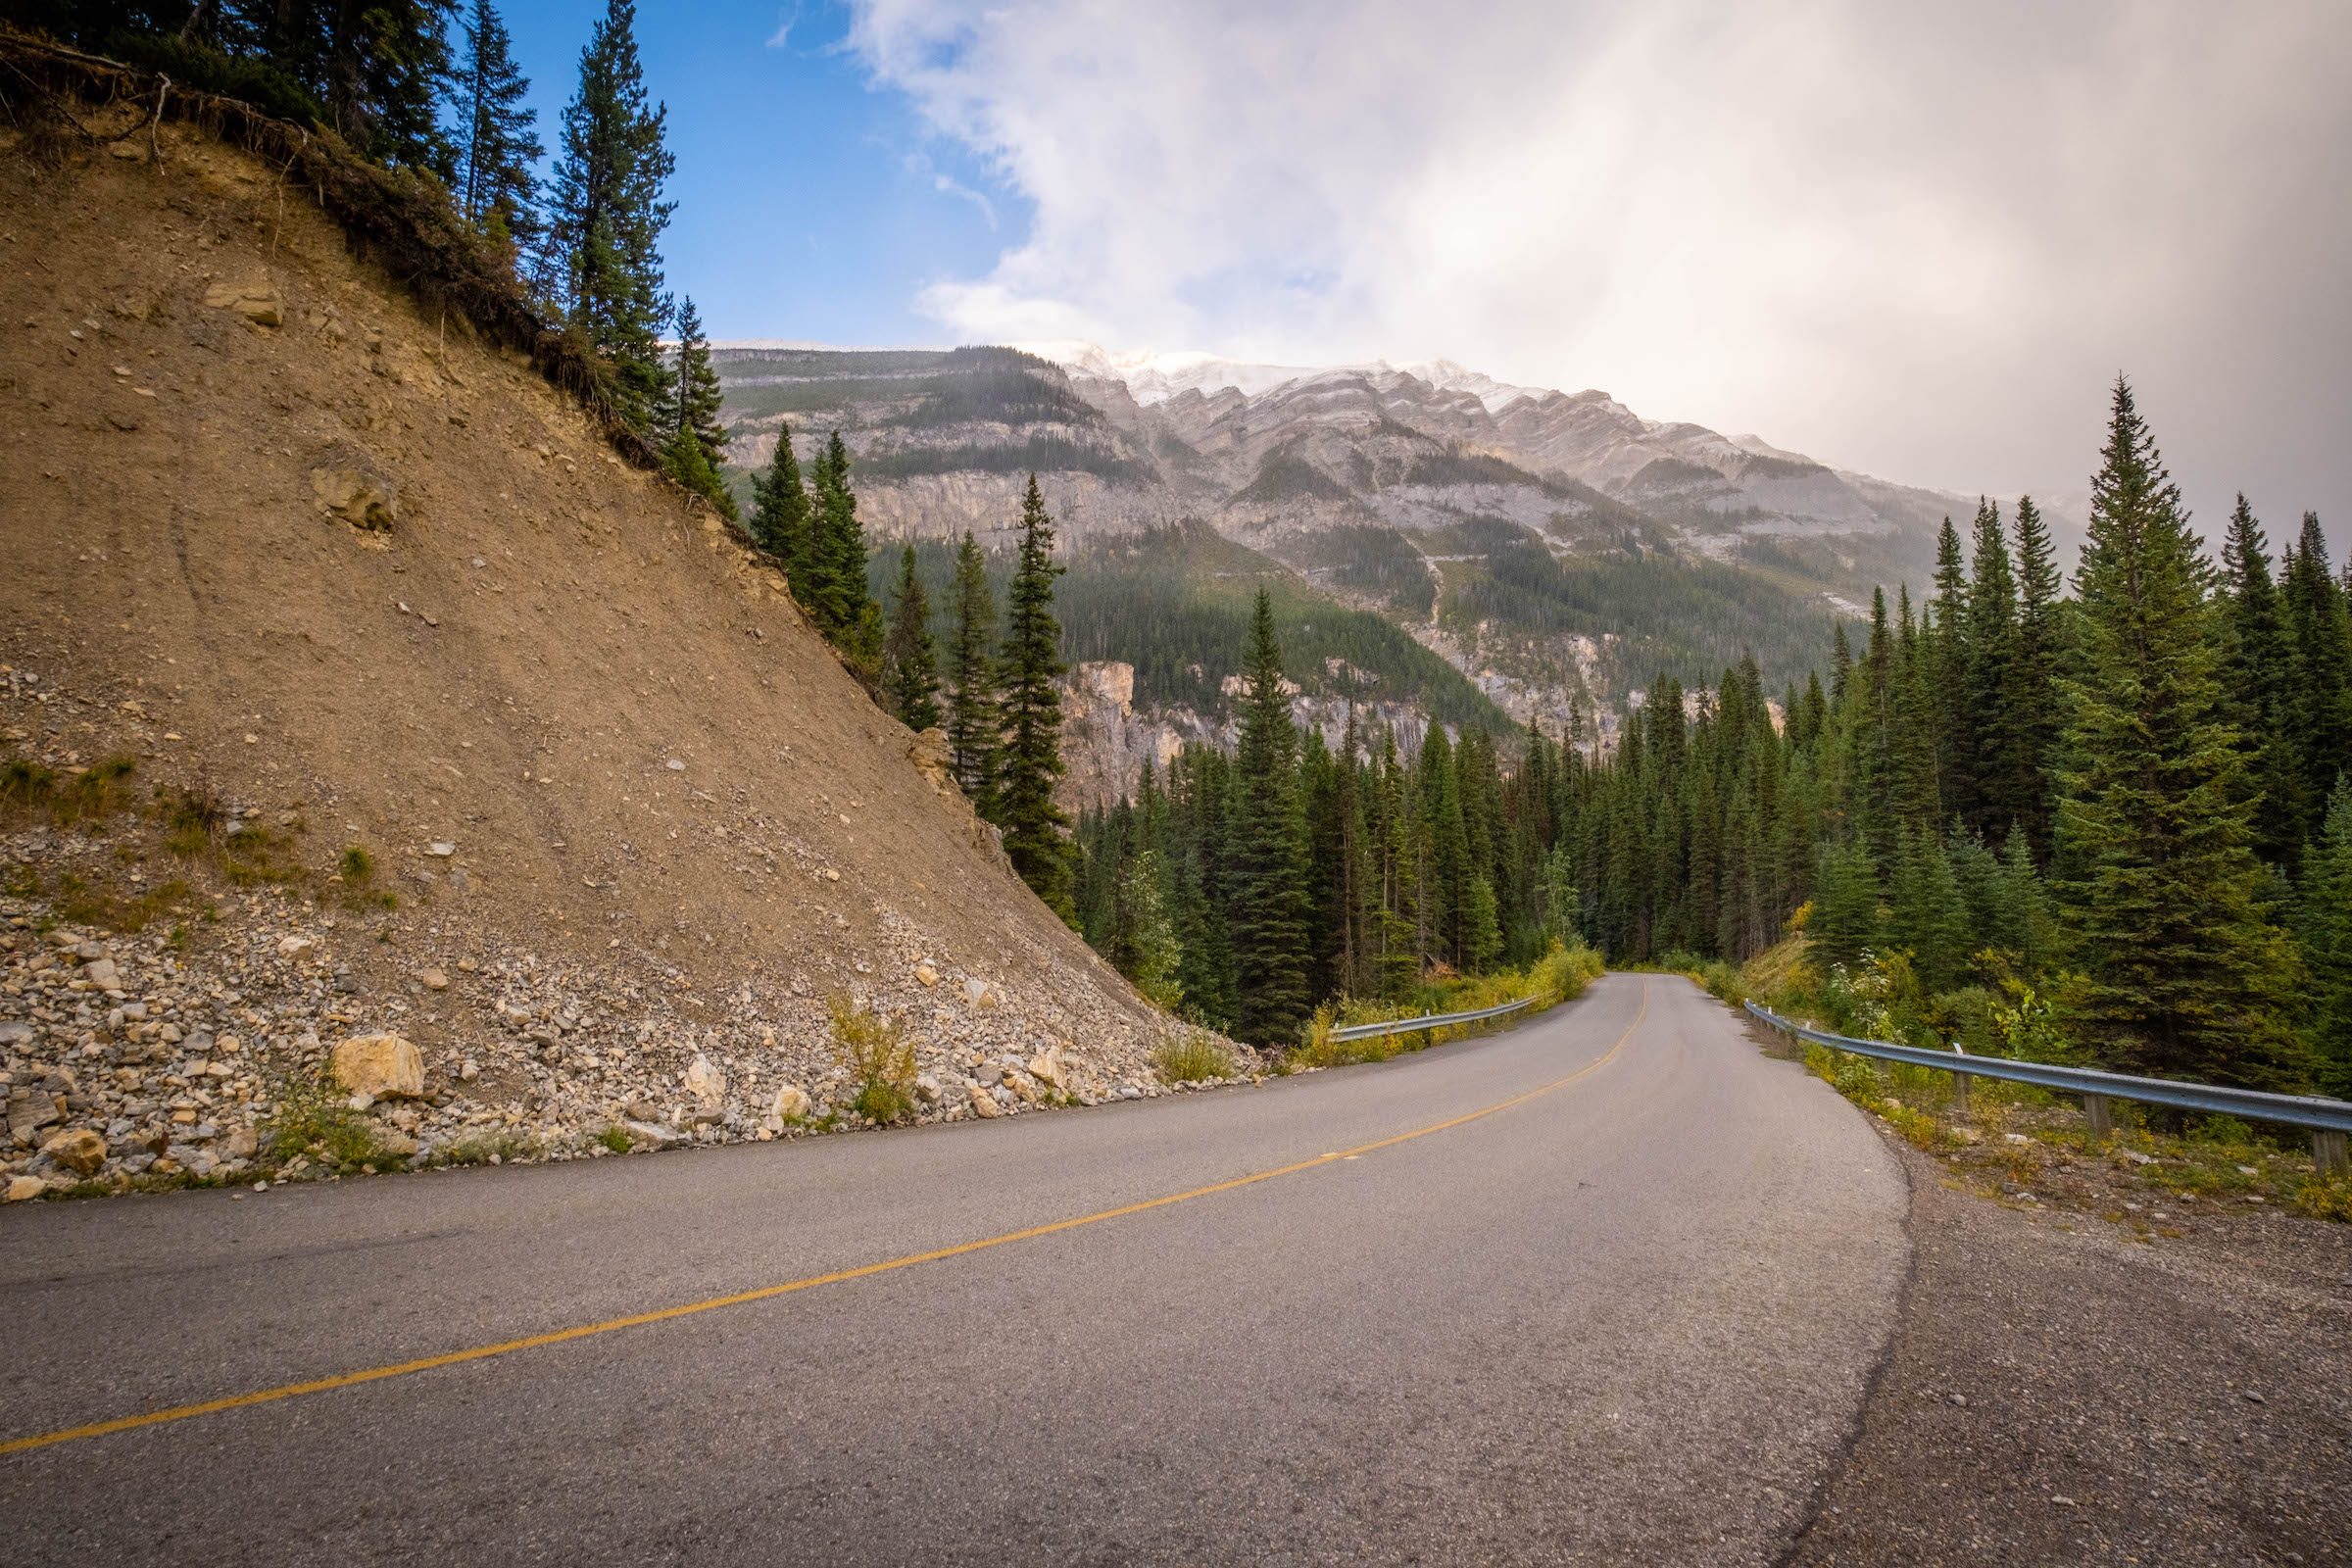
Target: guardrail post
2327	1152
1960	1093
2102	1127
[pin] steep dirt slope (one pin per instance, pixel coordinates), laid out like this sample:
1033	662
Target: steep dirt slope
298	546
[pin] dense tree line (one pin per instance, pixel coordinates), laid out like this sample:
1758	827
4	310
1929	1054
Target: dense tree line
2124	815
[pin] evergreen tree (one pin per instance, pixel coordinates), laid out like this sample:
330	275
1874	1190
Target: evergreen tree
697	399
2319	695
975	724
1845	913
838	599
910	671
497	148
2002	759
695	443
780	513
1031	704
2181	974
2256	683
2324	921
1269	902
607	214
2032	724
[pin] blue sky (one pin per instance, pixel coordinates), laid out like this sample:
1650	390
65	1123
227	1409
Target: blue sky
808	203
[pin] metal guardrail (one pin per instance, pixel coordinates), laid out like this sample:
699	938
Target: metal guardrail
1438	1020
2328	1120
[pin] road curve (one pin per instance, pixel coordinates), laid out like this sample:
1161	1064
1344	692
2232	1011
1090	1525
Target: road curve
1629	1317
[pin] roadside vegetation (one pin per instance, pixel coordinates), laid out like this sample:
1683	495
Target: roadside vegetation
2014	1141
1560	976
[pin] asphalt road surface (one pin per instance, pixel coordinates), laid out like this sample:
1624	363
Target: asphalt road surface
1629	1316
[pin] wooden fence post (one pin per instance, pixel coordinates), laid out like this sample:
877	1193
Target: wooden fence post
2327	1153
2102	1127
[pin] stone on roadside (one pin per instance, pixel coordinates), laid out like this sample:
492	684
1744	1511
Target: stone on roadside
20	1188
791	1102
79	1150
294	947
1046	1068
433	979
704	1081
983	1103
383	1065
243	1143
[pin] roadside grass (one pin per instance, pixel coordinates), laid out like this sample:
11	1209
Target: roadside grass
313	1121
616	1139
2014	1139
1192	1056
1560	976
876	1052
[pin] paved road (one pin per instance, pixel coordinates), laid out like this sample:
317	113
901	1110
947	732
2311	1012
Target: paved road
1630	1318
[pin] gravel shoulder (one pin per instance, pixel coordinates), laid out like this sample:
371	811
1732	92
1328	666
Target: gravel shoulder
2064	1389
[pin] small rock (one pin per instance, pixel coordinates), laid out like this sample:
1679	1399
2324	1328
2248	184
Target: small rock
983	1103
103	975
243	1143
1960	1399
360	498
704	1081
383	1065
2251	1397
396	1142
2062	1502
81	1151
433	979
468	1071
790	1103
2017	1138
926	975
35	1110
130	152
441	851
650	1133
1046	1068
255	299
294	947
20	1188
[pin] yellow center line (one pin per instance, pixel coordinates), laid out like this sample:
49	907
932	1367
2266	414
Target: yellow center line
345	1380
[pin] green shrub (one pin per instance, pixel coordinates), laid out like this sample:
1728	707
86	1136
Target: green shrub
1193	1057
616	1139
314	1119
875	1052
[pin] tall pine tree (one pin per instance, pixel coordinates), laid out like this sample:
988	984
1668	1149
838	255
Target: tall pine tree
975	724
497	148
781	513
2181	975
1030	701
909	671
1269	895
606	217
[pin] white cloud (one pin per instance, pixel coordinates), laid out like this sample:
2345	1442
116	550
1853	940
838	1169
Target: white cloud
1910	239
